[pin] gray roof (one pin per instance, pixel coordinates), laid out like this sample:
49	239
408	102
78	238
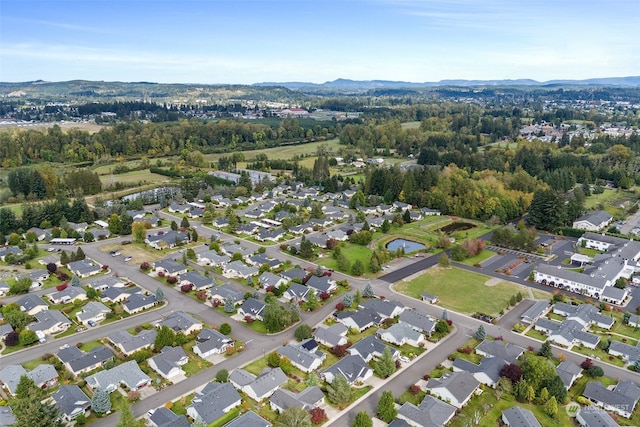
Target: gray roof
332	335
137	301
225	290
384	308
490	366
507	351
90	310
596	217
6	416
29	302
209	339
294	273
431	412
164	417
179	321
267	381
625	395
197	279
370	346
10	376
130	342
241	377
170	266
47	319
249	419
362	318
269	279
520	417
242	268
105	282
401	330
592	416
218	396
567	371
128	373
321	284
83	266
614	293
98	354
632	353
70	400
214	257
168	359
253	306
535	310
460	384
299	355
572	276
419	320
308	398
298	291
353	368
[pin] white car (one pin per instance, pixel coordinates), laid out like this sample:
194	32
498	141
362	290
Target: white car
404	359
127	259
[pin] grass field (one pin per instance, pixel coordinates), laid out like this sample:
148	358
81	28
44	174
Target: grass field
286	152
139	176
461	290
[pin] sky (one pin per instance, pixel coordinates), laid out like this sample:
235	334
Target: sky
251	41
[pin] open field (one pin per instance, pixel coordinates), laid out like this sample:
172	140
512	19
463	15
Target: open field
85	126
461	290
140	176
287	152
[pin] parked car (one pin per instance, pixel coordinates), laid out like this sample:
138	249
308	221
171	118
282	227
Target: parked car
91	323
127	259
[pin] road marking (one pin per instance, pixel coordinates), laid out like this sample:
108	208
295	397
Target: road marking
248	341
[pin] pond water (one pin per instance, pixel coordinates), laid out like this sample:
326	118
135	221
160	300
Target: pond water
409	246
456	226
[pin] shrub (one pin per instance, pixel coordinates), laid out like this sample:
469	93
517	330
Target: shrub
415	389
145	266
185	288
172	280
133	396
201	295
340	306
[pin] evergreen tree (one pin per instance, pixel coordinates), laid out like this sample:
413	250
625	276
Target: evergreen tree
368	291
339	391
386	226
174	226
164	337
127	419
386	407
64	258
445	315
184	223
222	376
545	350
75	281
347	300
531	394
294	416
480	334
551	407
100	402
547	210
385	366
444	261
362	419
306	249
312	301
303	332
229	304
159	295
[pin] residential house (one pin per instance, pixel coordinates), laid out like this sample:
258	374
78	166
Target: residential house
44	376
585	314
212	258
456	388
309	398
215	400
169	267
4	288
233	248
5	329
258	387
118	294
296	292
386	309
401	333
7	419
210	342
238	270
431	412
181	322
273	235
220	293
418	320
568	333
536	311
353	368
168	363
178	208
32	304
430	212
268	279
260	259
370	348
517	416
164	417
139	302
71	402
593	221
103	283
622	399
129	344
359	320
167	240
568	372
321	284
332	336
67	295
249	419
78	362
302	358
430	298
197	281
11	250
50	322
486	372
127	374
628	353
94	311
252	308
84	268
294	273
592	416
504	350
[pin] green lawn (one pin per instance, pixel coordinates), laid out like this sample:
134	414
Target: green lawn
536	335
601	354
461	290
488	400
588	251
351	251
482	256
604	197
88	346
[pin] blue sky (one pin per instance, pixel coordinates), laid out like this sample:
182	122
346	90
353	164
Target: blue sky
249	41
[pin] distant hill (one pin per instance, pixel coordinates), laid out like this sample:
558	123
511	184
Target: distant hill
389	84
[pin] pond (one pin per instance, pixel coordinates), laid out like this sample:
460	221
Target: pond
408	245
456	226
